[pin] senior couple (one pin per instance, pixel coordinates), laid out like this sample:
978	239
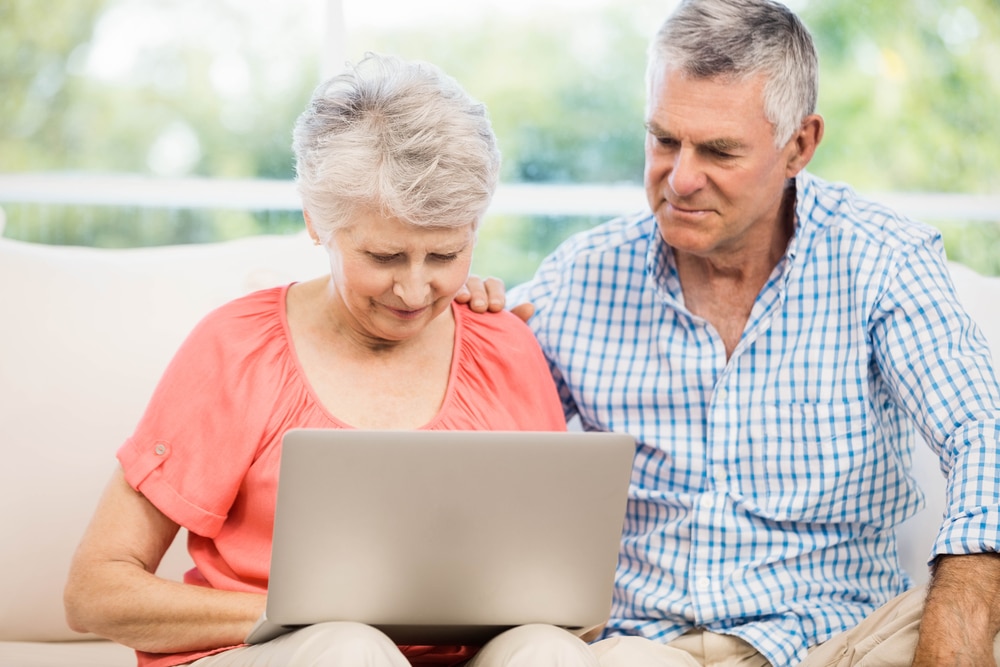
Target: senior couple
772	341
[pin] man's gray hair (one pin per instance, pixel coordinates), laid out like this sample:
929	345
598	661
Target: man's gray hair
740	39
397	138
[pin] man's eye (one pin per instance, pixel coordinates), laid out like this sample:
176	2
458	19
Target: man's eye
450	257
383	259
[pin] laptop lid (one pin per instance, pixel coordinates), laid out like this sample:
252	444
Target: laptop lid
446	537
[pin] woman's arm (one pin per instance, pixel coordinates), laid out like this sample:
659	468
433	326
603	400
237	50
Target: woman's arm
112	591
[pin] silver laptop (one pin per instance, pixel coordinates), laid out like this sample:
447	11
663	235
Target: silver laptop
446	537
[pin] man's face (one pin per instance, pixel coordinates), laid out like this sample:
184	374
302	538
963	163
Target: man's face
714	178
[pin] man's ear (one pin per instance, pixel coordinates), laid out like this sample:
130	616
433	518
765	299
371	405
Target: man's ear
804	143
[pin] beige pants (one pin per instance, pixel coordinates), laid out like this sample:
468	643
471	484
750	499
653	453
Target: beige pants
887	638
358	645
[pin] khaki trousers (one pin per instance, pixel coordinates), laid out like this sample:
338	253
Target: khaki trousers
887	638
359	645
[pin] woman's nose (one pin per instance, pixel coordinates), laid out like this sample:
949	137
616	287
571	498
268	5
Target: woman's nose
412	288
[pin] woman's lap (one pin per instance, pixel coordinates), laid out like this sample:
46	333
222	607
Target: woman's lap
343	644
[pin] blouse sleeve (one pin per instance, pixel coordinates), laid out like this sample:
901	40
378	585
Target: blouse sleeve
208	415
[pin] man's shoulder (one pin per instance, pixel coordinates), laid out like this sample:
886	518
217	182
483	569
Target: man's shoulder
628	233
832	207
611	255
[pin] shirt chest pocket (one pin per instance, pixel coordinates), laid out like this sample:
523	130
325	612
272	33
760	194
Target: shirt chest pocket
807	462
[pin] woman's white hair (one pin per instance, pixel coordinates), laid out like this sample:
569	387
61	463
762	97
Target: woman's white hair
398	138
743	38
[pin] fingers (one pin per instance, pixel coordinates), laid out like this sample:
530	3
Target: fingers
524	310
474	294
482	295
496	294
464	295
489	294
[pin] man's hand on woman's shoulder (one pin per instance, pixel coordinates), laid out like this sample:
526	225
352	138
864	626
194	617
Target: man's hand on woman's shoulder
490	294
483	294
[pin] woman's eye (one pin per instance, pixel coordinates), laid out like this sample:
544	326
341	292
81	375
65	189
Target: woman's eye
383	259
451	257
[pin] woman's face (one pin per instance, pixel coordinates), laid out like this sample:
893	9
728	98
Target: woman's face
392	278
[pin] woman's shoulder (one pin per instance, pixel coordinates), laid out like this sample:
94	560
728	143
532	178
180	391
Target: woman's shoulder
499	327
497	340
500	364
265	303
251	320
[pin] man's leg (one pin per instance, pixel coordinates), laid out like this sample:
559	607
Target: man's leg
886	638
694	649
535	646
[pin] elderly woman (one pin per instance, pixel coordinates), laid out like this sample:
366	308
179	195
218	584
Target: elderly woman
396	166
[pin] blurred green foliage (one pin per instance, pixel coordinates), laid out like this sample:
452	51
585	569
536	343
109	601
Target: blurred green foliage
909	89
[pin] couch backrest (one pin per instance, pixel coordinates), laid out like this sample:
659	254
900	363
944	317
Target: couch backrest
85	334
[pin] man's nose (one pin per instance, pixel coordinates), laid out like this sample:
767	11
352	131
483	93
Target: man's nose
686	174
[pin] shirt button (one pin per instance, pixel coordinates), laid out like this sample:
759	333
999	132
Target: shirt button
160	449
722	394
719	473
703	583
707	501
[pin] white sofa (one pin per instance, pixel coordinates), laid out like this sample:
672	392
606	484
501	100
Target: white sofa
84	336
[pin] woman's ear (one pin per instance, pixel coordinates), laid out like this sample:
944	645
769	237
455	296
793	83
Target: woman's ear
309	226
803	145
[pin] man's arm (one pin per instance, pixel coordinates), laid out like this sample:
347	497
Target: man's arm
962	614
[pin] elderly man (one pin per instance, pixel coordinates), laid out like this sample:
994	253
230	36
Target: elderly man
774	342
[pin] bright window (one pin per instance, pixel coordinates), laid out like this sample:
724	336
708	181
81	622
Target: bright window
184	88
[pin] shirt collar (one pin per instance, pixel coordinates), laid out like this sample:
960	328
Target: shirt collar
661	267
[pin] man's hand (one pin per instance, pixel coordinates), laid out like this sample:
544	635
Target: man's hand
482	295
490	295
962	613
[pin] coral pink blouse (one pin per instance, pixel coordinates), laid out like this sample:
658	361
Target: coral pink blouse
206	451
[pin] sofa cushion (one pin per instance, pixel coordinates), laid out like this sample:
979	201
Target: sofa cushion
65	654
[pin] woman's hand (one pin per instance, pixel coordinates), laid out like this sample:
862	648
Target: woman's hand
113	592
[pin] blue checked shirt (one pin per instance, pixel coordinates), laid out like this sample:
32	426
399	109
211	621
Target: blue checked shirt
766	487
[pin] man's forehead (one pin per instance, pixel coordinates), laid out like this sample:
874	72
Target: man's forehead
717	107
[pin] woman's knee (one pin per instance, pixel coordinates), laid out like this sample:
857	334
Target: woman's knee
533	645
344	644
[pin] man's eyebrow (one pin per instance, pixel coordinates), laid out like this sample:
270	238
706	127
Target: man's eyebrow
655	129
721	144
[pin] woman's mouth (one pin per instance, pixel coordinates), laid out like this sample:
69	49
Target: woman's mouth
407	313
